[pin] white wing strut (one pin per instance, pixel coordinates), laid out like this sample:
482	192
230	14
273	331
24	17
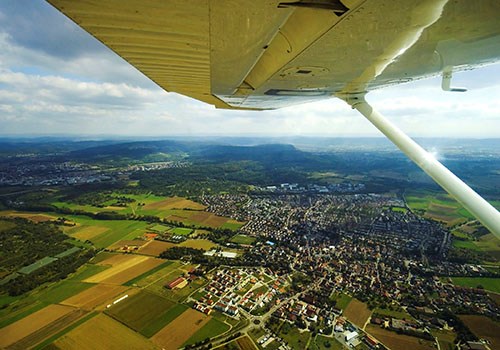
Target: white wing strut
473	202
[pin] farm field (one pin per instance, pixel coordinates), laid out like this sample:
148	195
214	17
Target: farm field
106	334
398	341
95	296
357	312
483	327
103	233
35	217
122	244
155	248
169	271
245	343
211	329
438	206
204	244
181	329
489	283
128	267
144	312
35	322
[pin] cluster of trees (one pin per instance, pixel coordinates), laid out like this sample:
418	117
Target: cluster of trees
54	271
28	242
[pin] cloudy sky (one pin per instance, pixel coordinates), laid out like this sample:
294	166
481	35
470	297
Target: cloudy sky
55	79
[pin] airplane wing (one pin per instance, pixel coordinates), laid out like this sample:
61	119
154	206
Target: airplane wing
266	54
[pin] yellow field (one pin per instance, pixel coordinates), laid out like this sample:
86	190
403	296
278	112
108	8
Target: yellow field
89	232
399	341
174	203
101	294
130	267
35	217
32	323
173	335
357	312
204	244
102	332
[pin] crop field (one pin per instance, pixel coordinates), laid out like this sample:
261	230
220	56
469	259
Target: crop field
124	268
16	331
104	233
98	295
163	275
438	206
489	283
62	290
84	233
177	332
5	225
483	327
357	312
204	244
398	341
160	228
144	312
232	225
174	203
242	239
127	243
211	329
35	217
106	334
155	248
245	343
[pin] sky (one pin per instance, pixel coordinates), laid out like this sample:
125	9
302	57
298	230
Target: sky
55	79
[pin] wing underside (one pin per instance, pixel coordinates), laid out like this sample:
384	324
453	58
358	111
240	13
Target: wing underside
266	54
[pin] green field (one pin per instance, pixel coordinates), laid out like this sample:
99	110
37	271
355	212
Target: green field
5	225
181	231
324	343
144	312
342	300
160	228
116	229
489	283
242	239
86	271
232	225
401	314
438	206
212	329
293	336
148	273
63	290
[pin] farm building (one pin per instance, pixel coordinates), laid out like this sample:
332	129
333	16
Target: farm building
349	336
179	282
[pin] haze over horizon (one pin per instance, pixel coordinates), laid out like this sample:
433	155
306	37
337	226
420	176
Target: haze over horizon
55	79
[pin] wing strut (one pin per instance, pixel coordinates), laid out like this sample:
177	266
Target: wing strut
472	201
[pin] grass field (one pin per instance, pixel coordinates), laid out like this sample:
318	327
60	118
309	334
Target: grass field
483	327
295	338
5	225
106	333
401	314
324	343
489	283
211	329
148	273
181	231
445	338
63	290
357	312
398	341
342	300
242	239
